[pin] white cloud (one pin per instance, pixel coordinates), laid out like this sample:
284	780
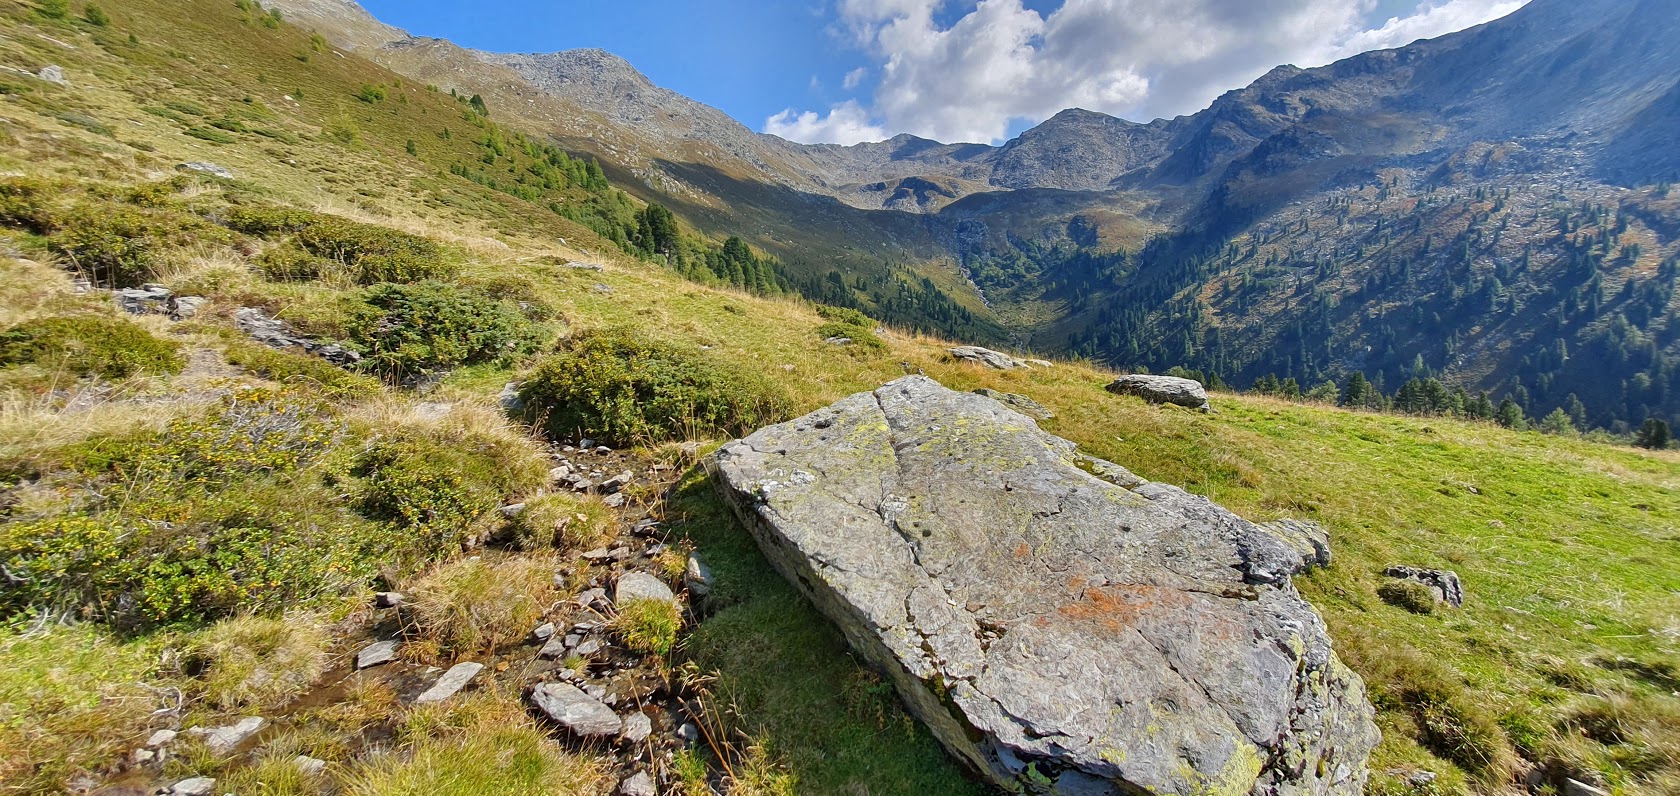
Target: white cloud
1002	62
846	123
855	77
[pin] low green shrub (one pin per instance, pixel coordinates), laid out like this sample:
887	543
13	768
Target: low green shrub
117	244
623	386
370	253
437	489
90	345
288	262
210	134
850	324
291	368
27	202
408	331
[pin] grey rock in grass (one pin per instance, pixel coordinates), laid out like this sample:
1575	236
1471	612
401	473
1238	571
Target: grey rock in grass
53	74
1061	625
450	683
637	727
1019	403
1163	390
509	399
639	785
543	632
1310	538
580	713
309	766
222	740
204	167
195	786
388	599
633	586
144	300
161	738
987	357
187	306
1575	787
697	576
379	652
1444	582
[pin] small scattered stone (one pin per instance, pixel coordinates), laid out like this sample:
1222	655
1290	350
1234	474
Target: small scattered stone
513	510
585	444
580	713
388	599
143	756
689	733
559	474
555	648
196	786
614	500
602	450
144	300
639	785
634	586
588	647
53	74
509	398
161	738
602	287
309	766
598	554
1575	787
377	653
204	167
1444	582
222	740
637	727
188	306
450	683
544	632
697	576
591	597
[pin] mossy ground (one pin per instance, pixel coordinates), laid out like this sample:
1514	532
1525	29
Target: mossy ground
1563	652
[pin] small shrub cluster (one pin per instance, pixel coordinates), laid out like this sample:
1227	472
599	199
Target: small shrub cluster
623	386
212	516
321	244
438	489
98	345
117	244
408	331
850	324
26	202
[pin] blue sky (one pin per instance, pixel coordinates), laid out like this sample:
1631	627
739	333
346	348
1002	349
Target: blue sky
973	70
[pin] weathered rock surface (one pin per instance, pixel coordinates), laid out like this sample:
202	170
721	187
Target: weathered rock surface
639	785
276	333
1448	588
377	653
1310	538
1019	403
1163	390
194	786
578	712
1060	632
222	740
697	576
634	586
206	167
988	357
450	683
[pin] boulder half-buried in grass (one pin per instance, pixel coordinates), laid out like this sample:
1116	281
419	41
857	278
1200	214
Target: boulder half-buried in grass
1059	632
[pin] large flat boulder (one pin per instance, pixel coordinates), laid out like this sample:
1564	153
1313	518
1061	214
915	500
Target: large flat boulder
1060	624
1163	390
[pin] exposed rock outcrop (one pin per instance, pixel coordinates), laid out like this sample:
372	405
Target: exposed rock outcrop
1163	390
1444	582
1059	631
1019	403
987	357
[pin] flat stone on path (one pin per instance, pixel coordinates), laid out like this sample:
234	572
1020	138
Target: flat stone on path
451	682
377	653
578	712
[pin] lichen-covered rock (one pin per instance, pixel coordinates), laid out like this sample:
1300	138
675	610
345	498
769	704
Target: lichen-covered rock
1019	403
987	357
1444	583
1310	538
1060	624
1163	390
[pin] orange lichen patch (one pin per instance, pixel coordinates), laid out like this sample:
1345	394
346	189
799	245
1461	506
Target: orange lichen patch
1023	550
1117	608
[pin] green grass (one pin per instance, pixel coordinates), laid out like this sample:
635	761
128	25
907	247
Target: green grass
1568	550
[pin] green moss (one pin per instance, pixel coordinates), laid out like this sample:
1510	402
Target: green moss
90	345
623	386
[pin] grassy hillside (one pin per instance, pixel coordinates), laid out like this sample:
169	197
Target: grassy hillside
171	488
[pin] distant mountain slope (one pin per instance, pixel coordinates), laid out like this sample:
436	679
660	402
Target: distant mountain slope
1314	223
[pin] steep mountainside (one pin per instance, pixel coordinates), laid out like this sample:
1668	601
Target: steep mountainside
1523	161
